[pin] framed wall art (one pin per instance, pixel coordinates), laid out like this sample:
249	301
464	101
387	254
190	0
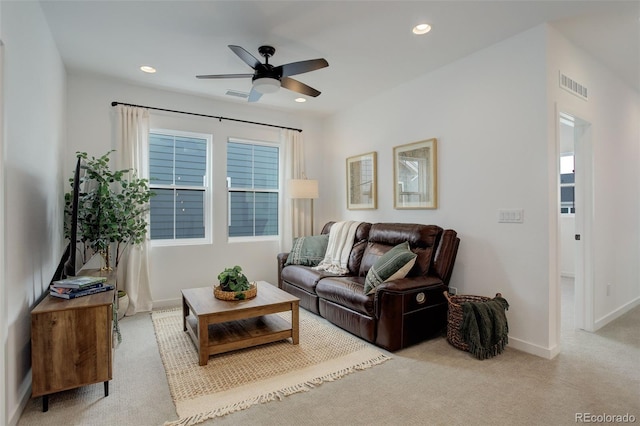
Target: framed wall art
415	175
361	182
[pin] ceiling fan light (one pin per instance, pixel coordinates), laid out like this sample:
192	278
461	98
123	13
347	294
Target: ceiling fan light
266	85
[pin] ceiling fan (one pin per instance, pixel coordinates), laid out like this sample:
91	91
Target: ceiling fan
267	78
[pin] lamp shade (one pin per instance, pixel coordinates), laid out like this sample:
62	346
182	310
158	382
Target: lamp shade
266	85
303	188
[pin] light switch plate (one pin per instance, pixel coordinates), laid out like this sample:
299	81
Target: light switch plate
511	216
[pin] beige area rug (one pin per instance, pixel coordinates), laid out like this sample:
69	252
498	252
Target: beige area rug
237	380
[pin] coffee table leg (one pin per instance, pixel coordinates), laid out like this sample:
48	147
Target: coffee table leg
295	323
203	339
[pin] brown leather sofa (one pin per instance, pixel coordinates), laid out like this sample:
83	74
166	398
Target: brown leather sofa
401	312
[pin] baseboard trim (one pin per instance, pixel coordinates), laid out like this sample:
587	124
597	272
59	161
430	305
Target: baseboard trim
601	322
168	303
533	349
25	397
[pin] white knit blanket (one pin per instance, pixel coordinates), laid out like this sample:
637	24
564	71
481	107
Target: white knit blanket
341	238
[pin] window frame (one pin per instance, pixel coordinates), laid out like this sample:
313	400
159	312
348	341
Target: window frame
253	238
207	188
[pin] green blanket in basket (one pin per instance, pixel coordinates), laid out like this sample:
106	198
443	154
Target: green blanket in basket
484	327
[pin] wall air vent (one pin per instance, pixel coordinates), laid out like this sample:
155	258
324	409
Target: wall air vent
237	94
572	86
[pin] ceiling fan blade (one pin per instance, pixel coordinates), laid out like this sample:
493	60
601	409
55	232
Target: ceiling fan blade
301	67
254	95
296	86
247	57
224	76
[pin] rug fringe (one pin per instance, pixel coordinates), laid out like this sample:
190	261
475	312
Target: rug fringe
279	394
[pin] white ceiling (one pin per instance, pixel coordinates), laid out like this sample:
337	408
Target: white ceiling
368	44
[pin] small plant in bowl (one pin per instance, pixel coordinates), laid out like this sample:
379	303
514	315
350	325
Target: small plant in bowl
234	285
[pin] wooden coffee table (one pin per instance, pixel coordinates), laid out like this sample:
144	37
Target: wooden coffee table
217	326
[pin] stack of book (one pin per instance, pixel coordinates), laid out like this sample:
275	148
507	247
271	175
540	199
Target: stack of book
72	287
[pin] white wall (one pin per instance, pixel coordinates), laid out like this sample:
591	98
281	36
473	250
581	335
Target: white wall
488	113
34	136
613	109
174	268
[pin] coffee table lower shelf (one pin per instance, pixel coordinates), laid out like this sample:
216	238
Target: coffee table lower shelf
239	334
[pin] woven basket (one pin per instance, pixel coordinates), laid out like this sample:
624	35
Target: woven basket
454	317
235	295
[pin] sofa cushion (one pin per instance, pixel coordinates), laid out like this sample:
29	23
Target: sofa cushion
304	277
308	251
347	292
394	264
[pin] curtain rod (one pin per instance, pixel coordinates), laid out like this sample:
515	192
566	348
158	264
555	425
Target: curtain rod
114	103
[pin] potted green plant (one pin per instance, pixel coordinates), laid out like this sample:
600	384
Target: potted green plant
234	285
111	210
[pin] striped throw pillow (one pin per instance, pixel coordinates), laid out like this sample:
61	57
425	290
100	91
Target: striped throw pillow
308	251
394	264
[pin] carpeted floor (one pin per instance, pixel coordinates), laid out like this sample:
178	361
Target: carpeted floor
237	380
430	383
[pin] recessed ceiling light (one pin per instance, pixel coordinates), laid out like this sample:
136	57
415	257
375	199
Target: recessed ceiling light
148	69
300	100
421	29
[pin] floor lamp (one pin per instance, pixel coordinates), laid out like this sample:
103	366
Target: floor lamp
304	189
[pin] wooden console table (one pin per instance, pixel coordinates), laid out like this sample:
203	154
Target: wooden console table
71	342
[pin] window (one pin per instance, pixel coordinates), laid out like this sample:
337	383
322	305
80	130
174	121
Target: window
179	176
253	183
567	184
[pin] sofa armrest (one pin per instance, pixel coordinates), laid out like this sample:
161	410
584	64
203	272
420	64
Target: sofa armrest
409	284
282	259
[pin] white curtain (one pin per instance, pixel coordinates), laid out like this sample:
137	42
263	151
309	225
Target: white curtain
297	213
132	141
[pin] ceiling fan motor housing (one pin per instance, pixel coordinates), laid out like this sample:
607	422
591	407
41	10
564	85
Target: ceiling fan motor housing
267	71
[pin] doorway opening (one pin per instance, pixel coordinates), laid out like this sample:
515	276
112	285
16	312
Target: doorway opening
575	211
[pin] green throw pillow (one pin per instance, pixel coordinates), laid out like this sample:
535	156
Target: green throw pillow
308	251
394	264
